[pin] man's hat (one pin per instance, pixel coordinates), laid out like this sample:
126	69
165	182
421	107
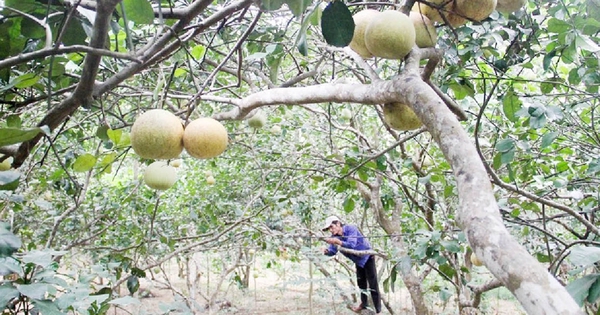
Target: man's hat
329	221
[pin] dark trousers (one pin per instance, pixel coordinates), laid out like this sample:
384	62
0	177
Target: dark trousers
368	275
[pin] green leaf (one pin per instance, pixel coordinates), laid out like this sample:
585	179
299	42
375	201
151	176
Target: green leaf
270	5
511	104
48	307
133	284
348	205
585	43
579	289
7	293
35	291
548	138
198	51
337	25
594	167
114	135
594	292
126	300
10	136
558	26
139	11
584	256
26	80
297	6
9	243
84	163
9	180
101	132
505	145
77	35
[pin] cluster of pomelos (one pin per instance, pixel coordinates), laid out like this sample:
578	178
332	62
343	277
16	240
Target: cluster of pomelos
390	34
160	135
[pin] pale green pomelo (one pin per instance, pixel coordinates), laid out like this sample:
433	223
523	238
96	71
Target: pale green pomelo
159	175
400	117
426	35
391	35
157	134
361	19
205	138
510	6
476	10
258	120
6	164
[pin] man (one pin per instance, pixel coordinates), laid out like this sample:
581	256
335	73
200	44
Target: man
348	236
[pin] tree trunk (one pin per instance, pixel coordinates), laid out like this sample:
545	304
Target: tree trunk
478	212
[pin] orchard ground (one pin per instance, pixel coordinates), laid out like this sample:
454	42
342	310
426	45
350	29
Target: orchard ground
284	288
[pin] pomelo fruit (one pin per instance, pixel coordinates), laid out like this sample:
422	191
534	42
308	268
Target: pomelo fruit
205	138
391	35
159	175
426	35
361	19
400	117
157	134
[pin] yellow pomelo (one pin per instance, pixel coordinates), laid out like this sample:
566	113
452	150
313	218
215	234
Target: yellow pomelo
361	19
510	6
157	134
159	175
446	7
391	35
6	164
400	117
258	120
205	138
475	260
426	35
476	10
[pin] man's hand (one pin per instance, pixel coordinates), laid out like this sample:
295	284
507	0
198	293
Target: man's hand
333	241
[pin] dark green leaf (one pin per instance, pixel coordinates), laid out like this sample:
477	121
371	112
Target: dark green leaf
507	157
337	25
139	11
548	59
133	284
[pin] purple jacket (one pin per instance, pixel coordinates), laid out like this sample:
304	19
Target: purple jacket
352	239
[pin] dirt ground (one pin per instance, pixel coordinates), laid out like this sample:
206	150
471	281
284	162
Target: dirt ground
281	290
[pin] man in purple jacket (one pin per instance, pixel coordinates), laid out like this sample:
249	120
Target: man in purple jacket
348	236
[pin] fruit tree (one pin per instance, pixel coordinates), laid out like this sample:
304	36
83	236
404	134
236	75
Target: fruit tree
464	128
